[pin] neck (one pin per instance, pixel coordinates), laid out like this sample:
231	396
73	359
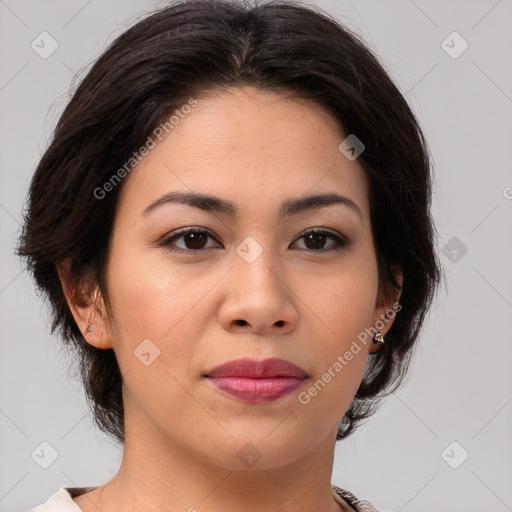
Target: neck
157	475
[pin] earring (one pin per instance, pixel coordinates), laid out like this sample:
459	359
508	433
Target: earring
89	329
378	338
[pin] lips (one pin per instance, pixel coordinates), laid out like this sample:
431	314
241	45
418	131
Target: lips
255	369
256	381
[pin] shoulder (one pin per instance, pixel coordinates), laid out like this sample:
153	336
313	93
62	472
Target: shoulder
62	500
357	504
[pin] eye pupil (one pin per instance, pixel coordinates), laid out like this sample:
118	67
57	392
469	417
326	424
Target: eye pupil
195	239
316	239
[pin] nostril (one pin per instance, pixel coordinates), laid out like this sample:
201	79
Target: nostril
241	322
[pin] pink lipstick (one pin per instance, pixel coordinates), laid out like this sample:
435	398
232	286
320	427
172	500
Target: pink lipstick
257	382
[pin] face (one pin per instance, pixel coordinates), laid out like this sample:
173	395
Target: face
191	288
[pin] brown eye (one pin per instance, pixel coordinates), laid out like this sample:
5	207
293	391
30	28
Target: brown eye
315	240
193	240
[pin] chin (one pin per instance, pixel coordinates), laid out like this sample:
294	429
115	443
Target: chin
250	451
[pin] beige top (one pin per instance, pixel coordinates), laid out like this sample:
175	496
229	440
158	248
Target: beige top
62	500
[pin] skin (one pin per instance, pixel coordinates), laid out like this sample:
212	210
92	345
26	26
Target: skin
256	149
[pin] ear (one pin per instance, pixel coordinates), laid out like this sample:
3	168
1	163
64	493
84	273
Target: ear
386	310
88	309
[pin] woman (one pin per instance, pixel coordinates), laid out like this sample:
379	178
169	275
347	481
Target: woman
232	224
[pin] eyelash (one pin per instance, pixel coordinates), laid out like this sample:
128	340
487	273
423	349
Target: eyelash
168	240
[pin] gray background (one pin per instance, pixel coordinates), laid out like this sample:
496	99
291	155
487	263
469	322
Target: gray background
460	386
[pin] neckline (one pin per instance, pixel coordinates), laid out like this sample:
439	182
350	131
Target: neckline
338	494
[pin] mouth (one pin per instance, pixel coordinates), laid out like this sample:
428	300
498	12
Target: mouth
257	382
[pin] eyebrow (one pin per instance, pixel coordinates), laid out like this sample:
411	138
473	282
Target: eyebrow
219	205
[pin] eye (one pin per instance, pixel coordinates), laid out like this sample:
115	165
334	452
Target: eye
193	238
315	239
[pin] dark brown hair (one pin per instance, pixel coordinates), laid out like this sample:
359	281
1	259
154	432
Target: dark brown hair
198	46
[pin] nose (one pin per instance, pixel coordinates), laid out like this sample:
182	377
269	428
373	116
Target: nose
258	299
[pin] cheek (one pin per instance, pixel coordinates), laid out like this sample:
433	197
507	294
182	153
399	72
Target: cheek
343	308
161	302
155	334
340	347
342	302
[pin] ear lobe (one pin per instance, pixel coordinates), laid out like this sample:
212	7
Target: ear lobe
88	309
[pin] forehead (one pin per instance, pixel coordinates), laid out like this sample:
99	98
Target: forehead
251	146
